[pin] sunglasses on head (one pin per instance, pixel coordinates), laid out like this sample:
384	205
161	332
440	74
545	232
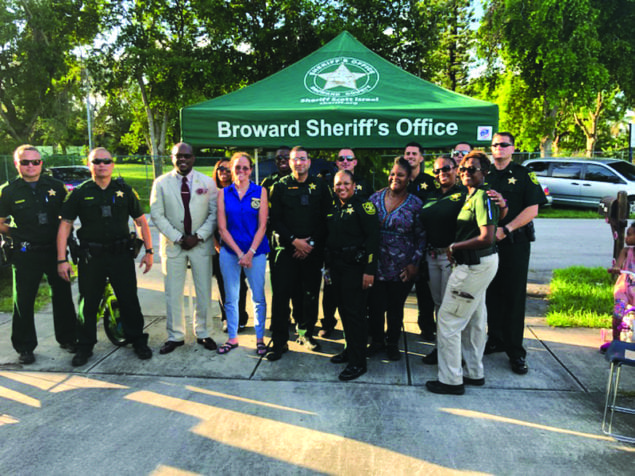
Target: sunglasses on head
183	156
469	170
501	144
26	162
444	169
348	158
101	161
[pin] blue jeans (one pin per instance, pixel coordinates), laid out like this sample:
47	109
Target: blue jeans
256	279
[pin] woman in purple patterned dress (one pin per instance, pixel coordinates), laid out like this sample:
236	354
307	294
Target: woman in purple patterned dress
401	247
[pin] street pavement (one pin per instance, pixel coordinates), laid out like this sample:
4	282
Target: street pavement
196	412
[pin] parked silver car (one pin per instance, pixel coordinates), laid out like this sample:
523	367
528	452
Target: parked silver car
583	182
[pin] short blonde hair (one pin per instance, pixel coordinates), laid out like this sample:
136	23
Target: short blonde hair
17	154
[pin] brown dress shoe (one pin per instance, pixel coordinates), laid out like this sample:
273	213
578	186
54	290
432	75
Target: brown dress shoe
208	343
169	346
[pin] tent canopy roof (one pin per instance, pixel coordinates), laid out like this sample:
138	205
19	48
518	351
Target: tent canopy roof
342	94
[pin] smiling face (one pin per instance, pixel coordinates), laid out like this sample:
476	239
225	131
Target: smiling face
444	172
183	158
502	147
346	160
471	174
300	163
224	173
413	155
29	165
282	161
344	186
241	169
398	179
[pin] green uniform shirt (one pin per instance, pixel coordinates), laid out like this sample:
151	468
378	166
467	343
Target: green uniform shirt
439	214
518	186
104	213
354	225
298	209
477	211
35	212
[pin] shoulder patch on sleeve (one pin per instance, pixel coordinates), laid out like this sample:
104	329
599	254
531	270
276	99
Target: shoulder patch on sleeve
369	208
532	177
136	194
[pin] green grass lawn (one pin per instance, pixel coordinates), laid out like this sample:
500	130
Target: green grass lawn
580	297
6	292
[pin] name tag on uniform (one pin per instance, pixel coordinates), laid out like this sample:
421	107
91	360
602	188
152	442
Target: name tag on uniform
42	218
106	211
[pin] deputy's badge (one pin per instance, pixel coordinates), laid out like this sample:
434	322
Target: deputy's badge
455	197
135	194
369	208
358	187
349	210
512	180
119	194
255	203
532	177
312	186
52	193
424	186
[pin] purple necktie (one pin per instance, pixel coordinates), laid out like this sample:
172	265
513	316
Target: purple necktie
185	196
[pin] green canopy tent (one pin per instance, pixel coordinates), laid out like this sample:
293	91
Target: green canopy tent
341	95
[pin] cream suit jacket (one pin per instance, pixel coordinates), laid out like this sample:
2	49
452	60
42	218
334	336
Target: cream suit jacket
167	211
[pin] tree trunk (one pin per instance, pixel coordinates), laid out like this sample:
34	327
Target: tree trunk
157	164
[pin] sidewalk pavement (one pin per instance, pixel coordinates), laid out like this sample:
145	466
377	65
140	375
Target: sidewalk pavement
196	412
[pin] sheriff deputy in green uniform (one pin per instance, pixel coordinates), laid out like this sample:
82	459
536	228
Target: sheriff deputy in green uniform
351	258
33	201
104	206
507	293
299	204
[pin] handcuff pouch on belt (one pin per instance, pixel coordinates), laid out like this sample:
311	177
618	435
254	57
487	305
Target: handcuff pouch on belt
125	245
523	234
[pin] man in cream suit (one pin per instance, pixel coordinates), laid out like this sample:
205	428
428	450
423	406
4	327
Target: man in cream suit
183	208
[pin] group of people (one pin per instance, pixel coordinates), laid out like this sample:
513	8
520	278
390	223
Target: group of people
451	238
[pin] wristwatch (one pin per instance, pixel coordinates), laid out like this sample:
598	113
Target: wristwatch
149	251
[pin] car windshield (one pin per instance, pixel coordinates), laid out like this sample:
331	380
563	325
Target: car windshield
624	168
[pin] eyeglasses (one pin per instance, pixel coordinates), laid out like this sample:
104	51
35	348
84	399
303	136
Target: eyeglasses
445	169
101	161
501	144
469	170
33	162
223	169
183	156
300	159
348	158
462	153
244	168
280	158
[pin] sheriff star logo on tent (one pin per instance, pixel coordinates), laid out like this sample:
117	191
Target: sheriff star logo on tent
341	77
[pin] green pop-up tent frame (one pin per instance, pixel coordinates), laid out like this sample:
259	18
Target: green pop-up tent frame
343	94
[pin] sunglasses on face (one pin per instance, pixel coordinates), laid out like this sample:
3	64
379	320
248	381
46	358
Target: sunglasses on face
469	170
445	169
461	153
222	169
348	158
26	162
101	161
501	144
183	156
244	168
280	158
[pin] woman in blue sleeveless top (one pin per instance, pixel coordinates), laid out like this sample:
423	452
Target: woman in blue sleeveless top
242	221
